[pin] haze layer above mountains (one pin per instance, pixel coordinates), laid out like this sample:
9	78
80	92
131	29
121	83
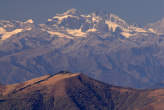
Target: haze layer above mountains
100	44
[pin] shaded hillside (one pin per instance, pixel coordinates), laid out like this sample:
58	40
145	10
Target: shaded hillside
135	62
76	92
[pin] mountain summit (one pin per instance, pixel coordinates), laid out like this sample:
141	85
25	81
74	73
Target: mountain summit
72	11
74	24
76	92
158	26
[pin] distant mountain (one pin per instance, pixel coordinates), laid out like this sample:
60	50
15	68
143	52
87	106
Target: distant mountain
73	24
76	92
100	44
158	26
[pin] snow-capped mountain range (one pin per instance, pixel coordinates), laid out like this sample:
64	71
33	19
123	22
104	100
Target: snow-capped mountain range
73	24
100	44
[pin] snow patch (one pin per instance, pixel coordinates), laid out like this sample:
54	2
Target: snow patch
86	16
76	32
7	35
60	18
111	25
2	30
126	34
59	34
28	28
96	18
71	11
117	19
49	20
152	30
29	21
140	30
92	30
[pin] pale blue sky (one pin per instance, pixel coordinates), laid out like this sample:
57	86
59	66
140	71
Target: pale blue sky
134	11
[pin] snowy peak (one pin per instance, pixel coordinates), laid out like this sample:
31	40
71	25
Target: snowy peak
6	35
11	28
6	24
117	20
158	26
75	23
29	21
71	12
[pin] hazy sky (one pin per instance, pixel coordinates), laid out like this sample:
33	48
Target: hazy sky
134	11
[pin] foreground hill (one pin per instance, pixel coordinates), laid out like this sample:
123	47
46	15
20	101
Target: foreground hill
67	91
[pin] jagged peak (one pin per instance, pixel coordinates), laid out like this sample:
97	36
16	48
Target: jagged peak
29	21
91	21
157	27
115	18
71	11
160	21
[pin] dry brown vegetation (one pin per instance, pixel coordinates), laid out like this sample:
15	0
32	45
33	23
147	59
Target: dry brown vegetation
76	92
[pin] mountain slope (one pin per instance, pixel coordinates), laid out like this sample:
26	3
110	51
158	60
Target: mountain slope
76	92
158	26
102	45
